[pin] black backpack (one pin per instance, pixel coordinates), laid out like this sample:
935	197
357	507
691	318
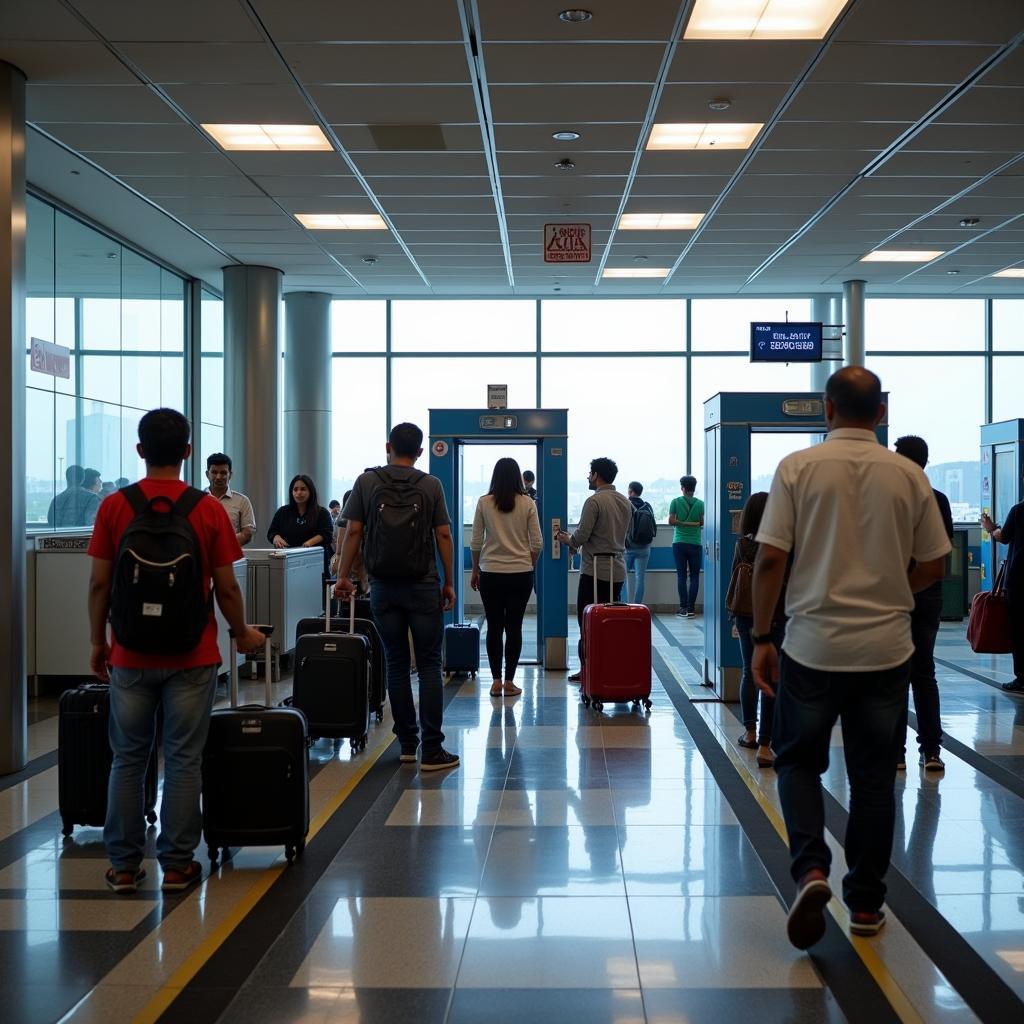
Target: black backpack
157	604
642	527
399	533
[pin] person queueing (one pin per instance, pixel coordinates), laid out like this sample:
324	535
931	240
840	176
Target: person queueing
686	515
505	547
303	522
1011	533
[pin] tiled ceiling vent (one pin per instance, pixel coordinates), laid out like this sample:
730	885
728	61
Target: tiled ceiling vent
408	138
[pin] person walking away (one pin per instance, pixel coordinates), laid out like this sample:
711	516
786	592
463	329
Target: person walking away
528	482
505	547
924	629
163	651
303	522
358	572
601	531
854	515
1011	533
236	504
402	515
643	528
686	514
739	605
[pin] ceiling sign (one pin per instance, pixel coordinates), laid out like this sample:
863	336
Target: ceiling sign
566	243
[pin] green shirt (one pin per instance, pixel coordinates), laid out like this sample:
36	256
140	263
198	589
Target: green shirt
686	510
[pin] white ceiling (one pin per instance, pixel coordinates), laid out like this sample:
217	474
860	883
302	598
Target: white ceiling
891	130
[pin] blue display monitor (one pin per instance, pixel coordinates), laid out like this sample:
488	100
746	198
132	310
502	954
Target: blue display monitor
785	343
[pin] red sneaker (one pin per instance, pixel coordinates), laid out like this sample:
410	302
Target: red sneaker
805	924
124	882
867	922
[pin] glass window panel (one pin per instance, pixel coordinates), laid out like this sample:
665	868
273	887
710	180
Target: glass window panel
172	382
88	267
211	370
172	312
101	378
140	303
463	325
212	396
358	429
580	325
213	440
723	325
925	324
140	381
101	438
39	455
132	467
39	285
478	464
1007	324
358	326
101	324
1007	388
648	447
64	323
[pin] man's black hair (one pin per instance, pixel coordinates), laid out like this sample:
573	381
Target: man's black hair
219	459
89	478
528	476
914	448
73	475
164	436
636	487
856	393
121	481
334	503
688	483
406	440
605	468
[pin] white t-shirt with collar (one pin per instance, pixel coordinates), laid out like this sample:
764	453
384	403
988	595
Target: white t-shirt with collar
854	514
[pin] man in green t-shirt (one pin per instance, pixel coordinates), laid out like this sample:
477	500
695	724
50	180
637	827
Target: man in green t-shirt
686	514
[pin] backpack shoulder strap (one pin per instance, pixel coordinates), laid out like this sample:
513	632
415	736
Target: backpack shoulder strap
190	497
135	497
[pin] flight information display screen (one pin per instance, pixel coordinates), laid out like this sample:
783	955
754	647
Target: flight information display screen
785	343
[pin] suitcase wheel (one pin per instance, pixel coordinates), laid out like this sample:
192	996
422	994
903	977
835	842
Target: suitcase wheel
597	705
212	852
289	853
647	704
151	816
67	829
585	699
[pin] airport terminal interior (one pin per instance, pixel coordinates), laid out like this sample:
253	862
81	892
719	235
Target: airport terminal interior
552	234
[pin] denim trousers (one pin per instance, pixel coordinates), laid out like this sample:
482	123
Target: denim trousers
749	691
869	705
924	628
400	607
185	695
688	560
636	562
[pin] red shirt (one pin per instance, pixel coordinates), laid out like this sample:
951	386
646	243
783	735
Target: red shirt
219	547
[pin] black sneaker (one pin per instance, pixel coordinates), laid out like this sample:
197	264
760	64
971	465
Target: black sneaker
408	754
805	923
682	613
437	760
691	614
1016	688
932	763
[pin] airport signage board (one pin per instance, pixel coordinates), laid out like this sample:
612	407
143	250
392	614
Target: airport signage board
785	343
566	243
54	360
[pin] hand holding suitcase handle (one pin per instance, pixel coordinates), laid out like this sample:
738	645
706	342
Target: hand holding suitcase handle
351	610
268	661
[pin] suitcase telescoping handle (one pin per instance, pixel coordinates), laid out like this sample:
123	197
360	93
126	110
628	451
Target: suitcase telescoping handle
610	555
268	657
327	610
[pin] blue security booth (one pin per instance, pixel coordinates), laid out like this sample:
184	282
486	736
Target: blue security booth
451	430
740	456
1002	466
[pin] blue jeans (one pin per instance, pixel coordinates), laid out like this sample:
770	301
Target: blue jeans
688	559
749	691
399	606
186	697
636	561
870	706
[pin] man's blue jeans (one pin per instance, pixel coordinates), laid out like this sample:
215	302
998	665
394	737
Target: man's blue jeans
399	606
636	562
688	559
185	695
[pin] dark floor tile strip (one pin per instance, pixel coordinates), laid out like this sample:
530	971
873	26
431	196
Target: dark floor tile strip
686	650
987	680
34	767
845	974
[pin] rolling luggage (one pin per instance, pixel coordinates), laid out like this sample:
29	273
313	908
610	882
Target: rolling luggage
255	774
331	682
84	758
616	652
461	648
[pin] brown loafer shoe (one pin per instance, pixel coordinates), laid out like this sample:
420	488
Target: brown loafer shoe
178	880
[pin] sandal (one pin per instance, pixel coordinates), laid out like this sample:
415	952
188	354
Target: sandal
496	688
511	690
748	744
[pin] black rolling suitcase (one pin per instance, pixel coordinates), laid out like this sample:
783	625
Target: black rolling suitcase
461	648
255	774
331	682
84	758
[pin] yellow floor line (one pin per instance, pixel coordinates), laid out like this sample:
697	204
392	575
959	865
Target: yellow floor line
877	967
168	992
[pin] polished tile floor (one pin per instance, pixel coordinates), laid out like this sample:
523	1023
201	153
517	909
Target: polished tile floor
576	867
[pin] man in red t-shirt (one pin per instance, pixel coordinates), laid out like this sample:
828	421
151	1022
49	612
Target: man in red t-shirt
181	685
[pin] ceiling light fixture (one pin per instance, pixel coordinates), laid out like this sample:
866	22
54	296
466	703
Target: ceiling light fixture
722	103
970	222
565	165
256	137
1010	272
342	221
565	136
952	273
774	19
370	260
659	221
575	15
902	256
635	272
640	259
703	136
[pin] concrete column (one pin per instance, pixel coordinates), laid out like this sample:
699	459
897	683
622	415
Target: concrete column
853	317
307	389
252	373
13	666
821	310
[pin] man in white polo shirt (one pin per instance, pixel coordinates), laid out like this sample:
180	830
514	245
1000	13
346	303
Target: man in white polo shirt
236	504
865	534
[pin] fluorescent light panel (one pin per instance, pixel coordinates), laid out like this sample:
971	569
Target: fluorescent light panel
660	221
635	272
342	221
762	19
1010	272
703	136
902	256
306	137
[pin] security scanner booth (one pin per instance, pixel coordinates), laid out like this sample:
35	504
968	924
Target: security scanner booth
1002	463
545	431
740	456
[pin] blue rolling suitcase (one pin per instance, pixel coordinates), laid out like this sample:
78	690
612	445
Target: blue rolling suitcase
461	649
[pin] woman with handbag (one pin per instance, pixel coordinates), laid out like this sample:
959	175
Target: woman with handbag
739	602
1011	533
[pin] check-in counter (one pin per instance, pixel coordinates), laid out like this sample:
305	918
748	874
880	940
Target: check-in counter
58	604
284	586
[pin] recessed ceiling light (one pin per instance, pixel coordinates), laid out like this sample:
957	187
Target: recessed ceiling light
342	221
902	256
774	19
1010	272
565	136
970	222
952	273
722	103
370	260
268	136
660	221
703	136
635	272
575	15
640	259
565	165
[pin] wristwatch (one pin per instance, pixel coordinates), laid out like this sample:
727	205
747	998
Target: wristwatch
765	638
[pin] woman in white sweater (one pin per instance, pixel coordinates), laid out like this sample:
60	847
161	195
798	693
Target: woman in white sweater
506	544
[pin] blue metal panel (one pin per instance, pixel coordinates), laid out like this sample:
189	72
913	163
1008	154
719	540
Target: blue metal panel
1002	453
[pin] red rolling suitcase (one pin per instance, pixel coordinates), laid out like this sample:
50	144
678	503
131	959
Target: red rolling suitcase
616	651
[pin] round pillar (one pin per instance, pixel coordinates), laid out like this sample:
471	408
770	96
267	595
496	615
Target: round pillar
853	307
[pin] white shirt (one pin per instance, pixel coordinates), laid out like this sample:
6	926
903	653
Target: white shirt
854	514
238	508
507	541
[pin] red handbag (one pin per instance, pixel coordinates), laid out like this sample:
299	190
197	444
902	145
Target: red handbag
988	627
